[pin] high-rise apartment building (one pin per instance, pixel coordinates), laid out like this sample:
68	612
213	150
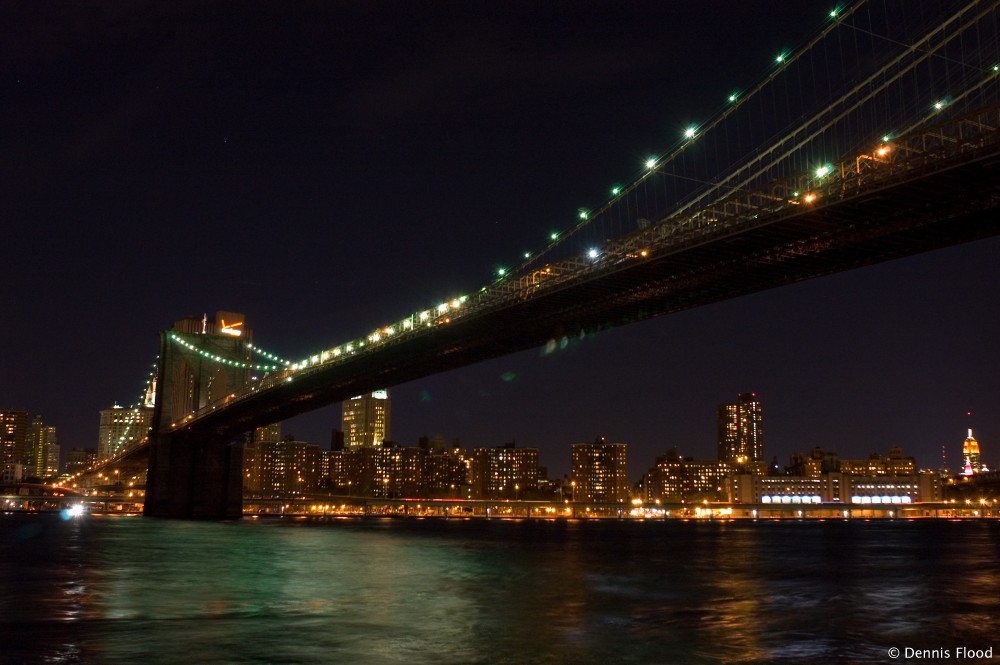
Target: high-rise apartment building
260	460
599	472
741	437
122	427
366	420
675	478
279	467
504	472
13	438
43	446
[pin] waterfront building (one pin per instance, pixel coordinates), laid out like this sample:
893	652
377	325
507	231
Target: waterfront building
504	472
665	481
599	473
365	420
14	434
301	462
752	488
273	466
260	461
446	472
122	428
338	471
391	471
706	479
920	487
834	487
677	479
740	430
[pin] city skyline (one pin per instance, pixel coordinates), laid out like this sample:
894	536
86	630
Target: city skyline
328	195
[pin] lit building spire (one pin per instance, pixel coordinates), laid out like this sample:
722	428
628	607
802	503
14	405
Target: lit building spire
970	455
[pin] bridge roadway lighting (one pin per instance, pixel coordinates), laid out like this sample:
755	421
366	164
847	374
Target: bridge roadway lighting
593	253
690	132
823	170
651	162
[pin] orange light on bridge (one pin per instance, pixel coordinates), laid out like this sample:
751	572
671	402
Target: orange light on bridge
231	328
809	198
883	151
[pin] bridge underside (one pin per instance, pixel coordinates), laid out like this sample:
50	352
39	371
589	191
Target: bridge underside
947	207
954	204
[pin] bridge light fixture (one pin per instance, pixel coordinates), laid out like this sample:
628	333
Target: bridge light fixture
883	151
781	58
593	253
938	105
424	315
554	235
582	213
616	190
455	304
501	272
834	12
733	96
442	308
809	198
527	255
651	163
886	137
690	132
996	68
824	170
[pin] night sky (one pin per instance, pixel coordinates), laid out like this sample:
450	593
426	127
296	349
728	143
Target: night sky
329	167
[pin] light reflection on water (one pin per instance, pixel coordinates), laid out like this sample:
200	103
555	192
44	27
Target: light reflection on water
106	590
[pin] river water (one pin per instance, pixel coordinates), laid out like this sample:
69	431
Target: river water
112	590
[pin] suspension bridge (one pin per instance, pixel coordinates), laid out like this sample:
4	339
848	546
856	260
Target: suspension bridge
876	139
